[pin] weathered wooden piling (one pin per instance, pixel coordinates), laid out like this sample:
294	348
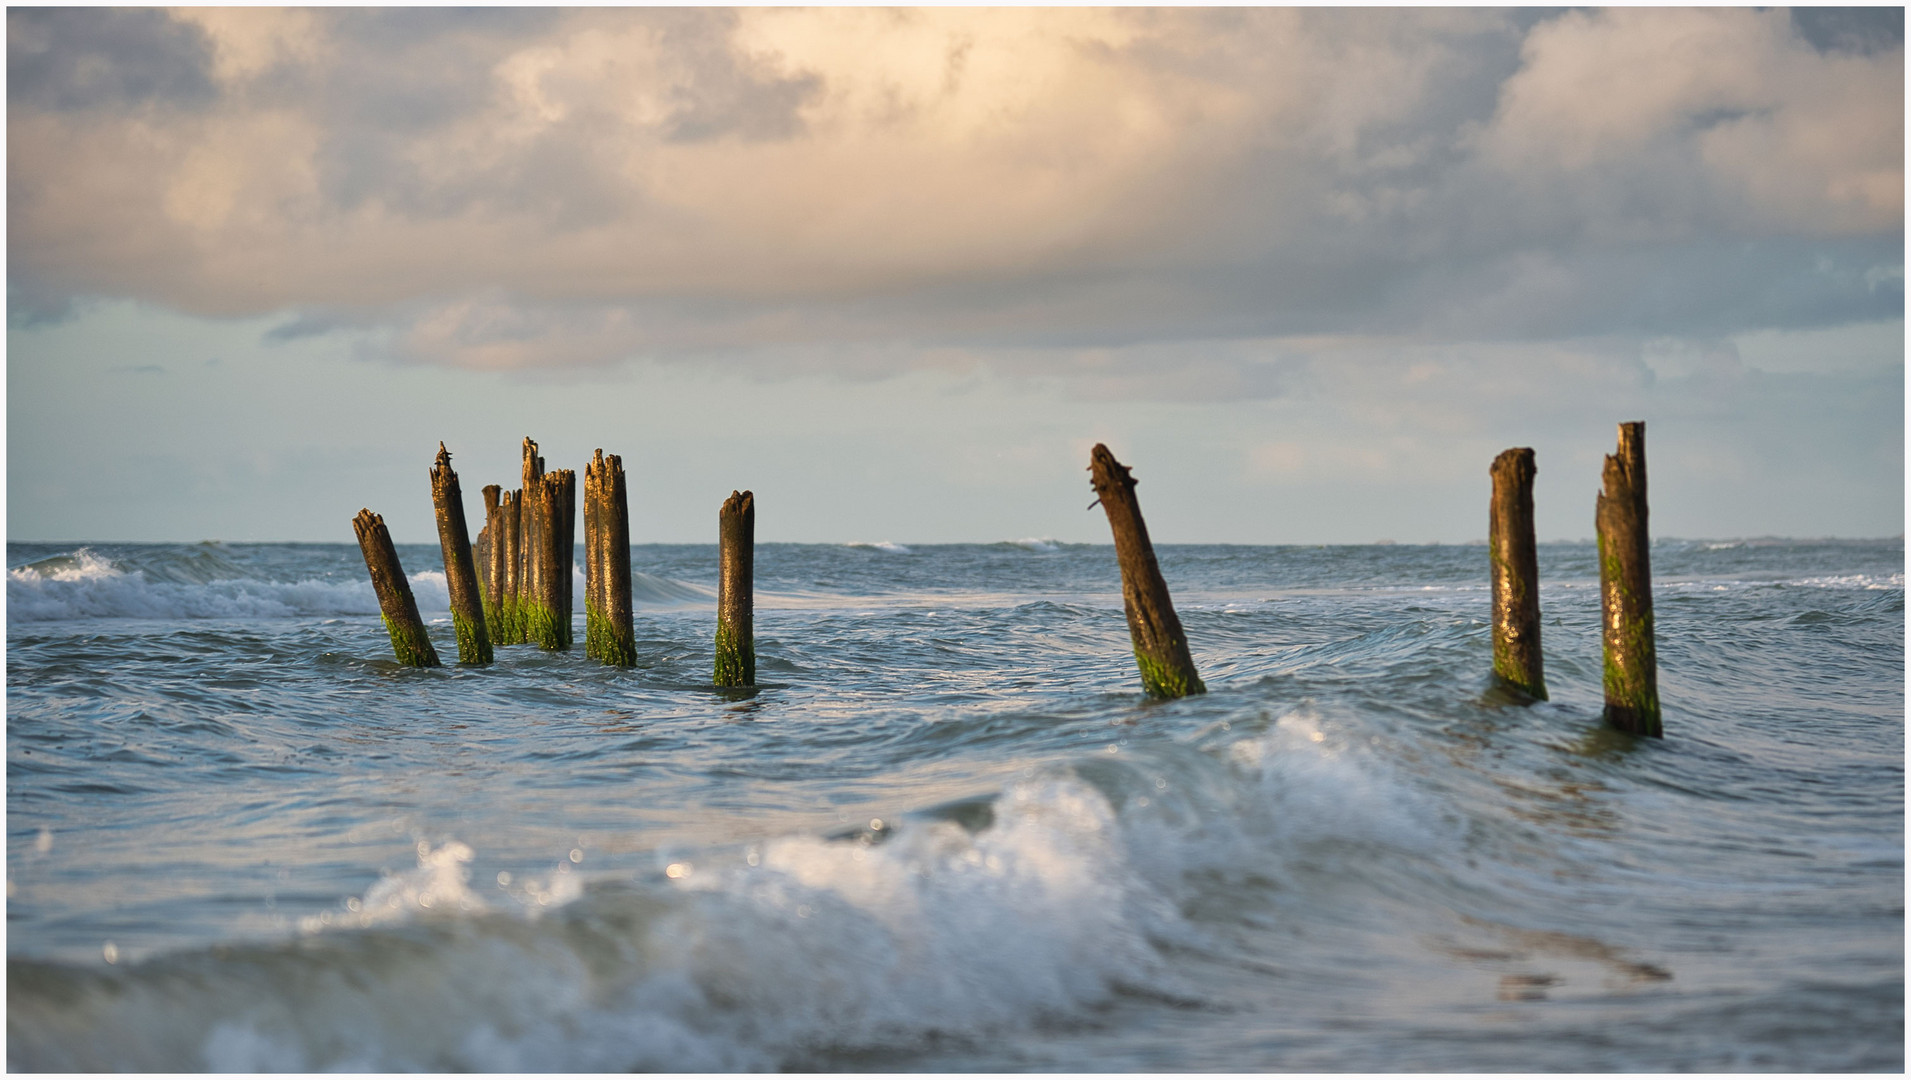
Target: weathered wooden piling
506	556
1515	562
530	536
461	571
593	566
1625	588
395	603
736	558
608	634
1161	649
482	555
557	511
547	525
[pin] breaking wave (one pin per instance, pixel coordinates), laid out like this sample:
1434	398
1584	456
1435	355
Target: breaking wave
1040	903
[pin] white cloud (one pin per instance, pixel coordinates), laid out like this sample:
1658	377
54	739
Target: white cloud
1724	108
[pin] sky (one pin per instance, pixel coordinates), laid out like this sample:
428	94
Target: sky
897	270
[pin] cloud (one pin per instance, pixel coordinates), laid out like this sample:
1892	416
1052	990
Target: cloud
1733	120
75	59
553	189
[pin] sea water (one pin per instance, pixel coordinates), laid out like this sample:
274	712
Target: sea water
946	831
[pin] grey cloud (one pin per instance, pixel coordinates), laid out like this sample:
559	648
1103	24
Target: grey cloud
100	58
721	93
31	303
403	75
1861	30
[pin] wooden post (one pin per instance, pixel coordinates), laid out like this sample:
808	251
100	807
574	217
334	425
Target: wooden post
395	602
507	567
1515	568
1161	649
608	634
557	518
481	544
484	553
548	515
736	571
533	613
461	572
593	565
1625	588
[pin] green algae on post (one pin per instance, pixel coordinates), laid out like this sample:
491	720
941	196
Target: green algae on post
395	603
461	573
1161	649
506	556
736	556
608	633
531	610
555	552
483	557
1625	589
1515	571
548	515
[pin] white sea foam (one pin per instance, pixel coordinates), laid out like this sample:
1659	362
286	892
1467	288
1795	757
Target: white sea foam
889	546
1854	581
750	958
1038	544
88	586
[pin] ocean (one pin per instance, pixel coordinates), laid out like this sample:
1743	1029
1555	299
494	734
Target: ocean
946	831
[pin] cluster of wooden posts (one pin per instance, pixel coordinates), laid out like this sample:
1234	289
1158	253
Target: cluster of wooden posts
512	585
517	588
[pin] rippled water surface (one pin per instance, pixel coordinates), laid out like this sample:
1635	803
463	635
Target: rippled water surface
947	832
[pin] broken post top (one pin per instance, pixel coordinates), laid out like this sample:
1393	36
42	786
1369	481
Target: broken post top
441	466
365	522
1106	473
1625	469
533	464
740	502
602	466
491	493
1515	464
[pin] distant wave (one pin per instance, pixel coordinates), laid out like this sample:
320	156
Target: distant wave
649	590
889	546
1037	543
86	585
1854	581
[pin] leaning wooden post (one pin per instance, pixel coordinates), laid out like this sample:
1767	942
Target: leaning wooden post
736	570
395	603
608	633
1161	649
1515	562
461	571
1625	588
